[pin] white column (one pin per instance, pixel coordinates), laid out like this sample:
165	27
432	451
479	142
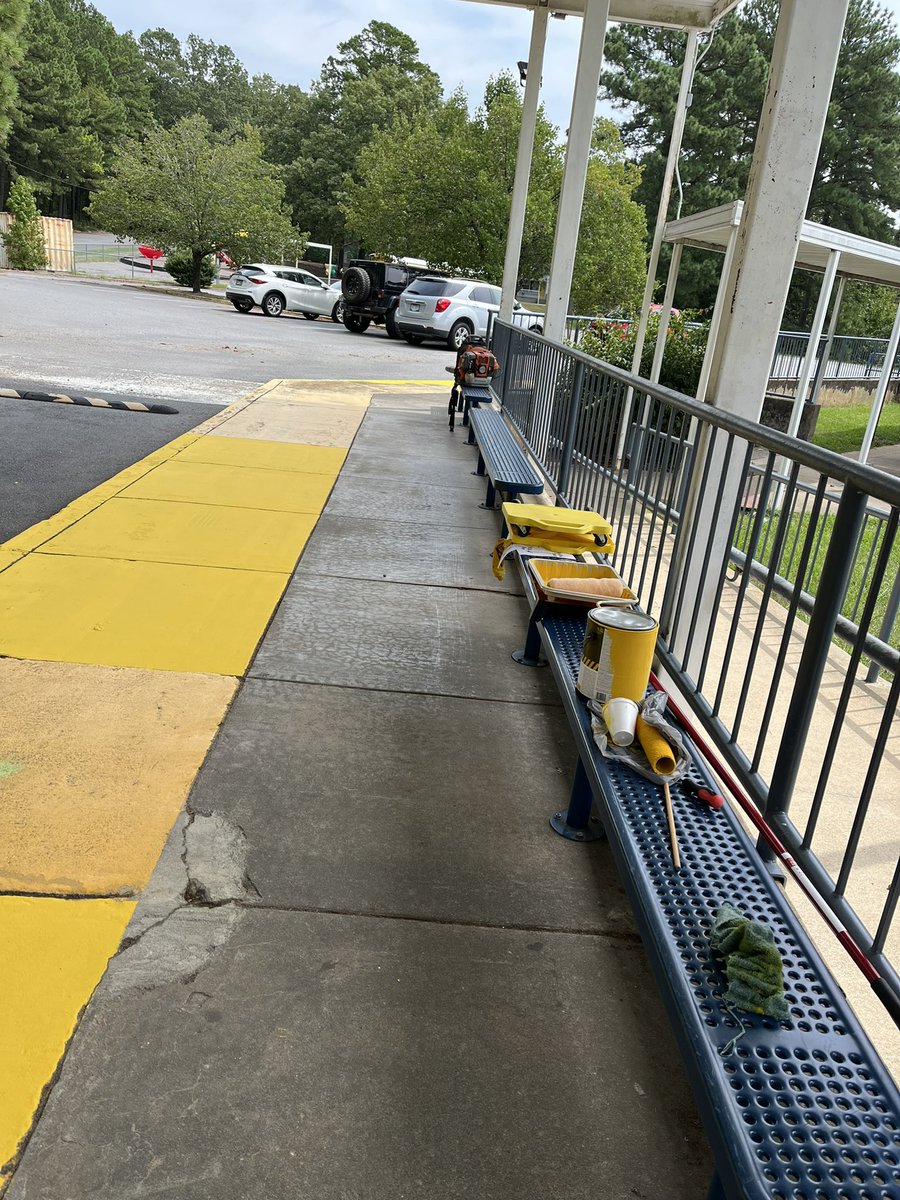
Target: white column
805	54
571	198
881	391
523	161
832	330
665	316
807	43
715	323
812	346
681	107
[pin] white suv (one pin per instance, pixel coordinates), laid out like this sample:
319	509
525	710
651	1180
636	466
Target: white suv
448	310
280	289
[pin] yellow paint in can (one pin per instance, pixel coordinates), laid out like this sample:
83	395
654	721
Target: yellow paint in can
617	654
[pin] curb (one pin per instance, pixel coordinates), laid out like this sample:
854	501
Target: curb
87	401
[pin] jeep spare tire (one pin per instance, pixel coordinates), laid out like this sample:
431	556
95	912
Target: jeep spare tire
356	285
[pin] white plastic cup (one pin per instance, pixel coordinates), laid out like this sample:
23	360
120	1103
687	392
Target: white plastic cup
621	717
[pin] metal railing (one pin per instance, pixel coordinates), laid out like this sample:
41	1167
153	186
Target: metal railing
772	566
856	358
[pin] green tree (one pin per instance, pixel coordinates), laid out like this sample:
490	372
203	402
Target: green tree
610	264
167	74
613	342
857	178
867	310
375	78
198	77
51	137
12	20
440	187
190	188
25	239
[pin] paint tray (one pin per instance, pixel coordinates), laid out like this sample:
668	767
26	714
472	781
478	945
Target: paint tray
553	568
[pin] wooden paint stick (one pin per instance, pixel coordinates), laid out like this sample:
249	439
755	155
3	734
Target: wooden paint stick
673	838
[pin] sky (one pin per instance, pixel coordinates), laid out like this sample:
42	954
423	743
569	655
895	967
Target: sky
464	42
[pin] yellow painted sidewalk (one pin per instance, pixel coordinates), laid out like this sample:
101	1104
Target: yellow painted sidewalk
125	622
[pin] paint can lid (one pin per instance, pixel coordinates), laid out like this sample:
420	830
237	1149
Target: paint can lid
622	618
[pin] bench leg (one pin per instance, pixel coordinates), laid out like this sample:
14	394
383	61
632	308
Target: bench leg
529	655
490	500
470	440
479	470
578	824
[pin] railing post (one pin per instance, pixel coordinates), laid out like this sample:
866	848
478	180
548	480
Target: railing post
887	625
836	570
565	462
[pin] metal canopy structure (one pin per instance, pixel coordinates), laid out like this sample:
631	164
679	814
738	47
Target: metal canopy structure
837	255
861	257
671	14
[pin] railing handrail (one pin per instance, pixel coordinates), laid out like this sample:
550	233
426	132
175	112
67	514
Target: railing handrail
827	462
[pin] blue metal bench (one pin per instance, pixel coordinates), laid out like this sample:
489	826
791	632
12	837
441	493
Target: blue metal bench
803	1110
500	457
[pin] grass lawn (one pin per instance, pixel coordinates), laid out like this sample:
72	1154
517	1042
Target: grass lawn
864	565
841	429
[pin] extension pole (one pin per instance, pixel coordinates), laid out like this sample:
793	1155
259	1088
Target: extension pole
879	985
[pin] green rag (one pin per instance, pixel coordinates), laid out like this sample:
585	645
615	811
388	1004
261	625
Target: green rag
753	965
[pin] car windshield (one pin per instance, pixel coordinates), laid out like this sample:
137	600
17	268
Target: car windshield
434	287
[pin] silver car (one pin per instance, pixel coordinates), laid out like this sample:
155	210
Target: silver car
439	308
280	289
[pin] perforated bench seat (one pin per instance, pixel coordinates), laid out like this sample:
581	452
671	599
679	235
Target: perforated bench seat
500	457
803	1110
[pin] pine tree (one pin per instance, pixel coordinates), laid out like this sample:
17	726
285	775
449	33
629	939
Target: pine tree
12	19
24	240
50	138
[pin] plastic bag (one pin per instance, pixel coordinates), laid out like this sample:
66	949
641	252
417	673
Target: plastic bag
653	710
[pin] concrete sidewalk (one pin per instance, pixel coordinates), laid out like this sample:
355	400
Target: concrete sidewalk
364	967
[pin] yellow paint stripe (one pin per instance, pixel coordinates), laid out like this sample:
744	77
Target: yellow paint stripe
96	766
135	614
264	454
53	953
36	535
234	486
203	535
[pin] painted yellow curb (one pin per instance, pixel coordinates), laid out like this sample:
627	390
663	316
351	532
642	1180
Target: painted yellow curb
113	613
53	953
96	764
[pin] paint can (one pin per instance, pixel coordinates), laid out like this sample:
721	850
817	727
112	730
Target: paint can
617	655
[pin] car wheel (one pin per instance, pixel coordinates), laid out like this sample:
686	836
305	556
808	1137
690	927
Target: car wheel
536	329
390	323
243	306
414	339
459	335
354	322
356	285
311	316
337	313
273	304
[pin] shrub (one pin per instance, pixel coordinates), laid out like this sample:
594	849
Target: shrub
180	265
685	345
25	238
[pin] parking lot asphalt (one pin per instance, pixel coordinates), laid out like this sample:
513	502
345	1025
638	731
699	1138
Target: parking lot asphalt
52	453
114	338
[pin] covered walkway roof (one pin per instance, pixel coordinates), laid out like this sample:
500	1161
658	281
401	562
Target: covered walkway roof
861	257
674	14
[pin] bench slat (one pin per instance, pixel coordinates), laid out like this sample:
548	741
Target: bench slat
505	463
805	1109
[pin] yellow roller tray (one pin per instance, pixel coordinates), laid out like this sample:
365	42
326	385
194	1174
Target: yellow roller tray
544	569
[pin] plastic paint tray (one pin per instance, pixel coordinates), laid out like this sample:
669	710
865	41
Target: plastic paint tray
553	568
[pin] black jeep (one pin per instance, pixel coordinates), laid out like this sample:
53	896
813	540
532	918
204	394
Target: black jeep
371	291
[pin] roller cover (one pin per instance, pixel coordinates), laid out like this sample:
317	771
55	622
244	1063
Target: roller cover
659	752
